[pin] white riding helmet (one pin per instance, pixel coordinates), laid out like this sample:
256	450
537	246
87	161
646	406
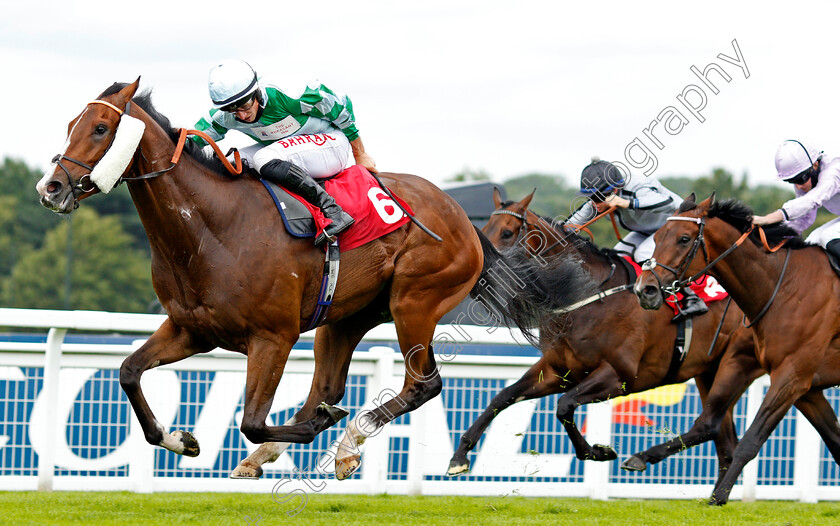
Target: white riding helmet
231	81
793	157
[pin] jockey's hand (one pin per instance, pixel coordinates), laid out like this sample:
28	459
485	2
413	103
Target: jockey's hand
367	161
601	207
770	219
616	201
362	157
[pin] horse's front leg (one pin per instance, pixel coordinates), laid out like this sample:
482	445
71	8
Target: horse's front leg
168	344
334	345
601	385
787	384
733	376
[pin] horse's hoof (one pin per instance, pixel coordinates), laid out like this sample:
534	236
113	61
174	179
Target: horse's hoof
634	463
246	472
602	453
189	443
347	466
456	467
715	501
335	413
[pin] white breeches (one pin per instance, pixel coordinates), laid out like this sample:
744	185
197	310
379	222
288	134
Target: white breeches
825	233
638	245
320	154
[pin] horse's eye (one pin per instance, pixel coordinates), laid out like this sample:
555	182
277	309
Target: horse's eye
100	129
506	234
684	239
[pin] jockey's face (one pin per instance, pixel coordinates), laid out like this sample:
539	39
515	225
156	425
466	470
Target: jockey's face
598	200
248	111
805	187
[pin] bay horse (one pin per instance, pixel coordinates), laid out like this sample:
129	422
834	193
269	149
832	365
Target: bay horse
229	276
791	298
613	348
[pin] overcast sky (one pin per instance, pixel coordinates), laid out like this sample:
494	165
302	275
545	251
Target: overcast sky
442	86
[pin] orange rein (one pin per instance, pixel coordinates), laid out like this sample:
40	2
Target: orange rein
611	213
183	139
764	240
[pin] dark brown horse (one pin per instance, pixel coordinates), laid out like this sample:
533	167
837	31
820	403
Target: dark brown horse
613	348
229	276
792	297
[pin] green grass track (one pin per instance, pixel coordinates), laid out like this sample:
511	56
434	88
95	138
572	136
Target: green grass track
122	508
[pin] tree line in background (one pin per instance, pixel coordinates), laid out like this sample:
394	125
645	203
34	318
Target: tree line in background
98	258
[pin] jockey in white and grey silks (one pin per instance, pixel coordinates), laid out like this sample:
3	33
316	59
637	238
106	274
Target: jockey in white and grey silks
642	206
298	139
816	181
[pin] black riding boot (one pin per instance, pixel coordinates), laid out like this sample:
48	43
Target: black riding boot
692	305
833	248
298	181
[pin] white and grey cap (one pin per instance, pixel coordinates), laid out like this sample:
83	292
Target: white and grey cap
230	82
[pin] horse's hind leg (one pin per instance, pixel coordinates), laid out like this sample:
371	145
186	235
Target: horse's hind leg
601	385
417	304
539	381
167	345
333	349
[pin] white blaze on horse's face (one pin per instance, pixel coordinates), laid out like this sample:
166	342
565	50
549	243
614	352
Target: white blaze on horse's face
41	186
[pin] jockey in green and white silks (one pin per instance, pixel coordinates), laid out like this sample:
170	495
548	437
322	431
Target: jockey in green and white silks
642	206
298	139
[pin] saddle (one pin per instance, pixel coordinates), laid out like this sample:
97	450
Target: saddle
296	217
358	193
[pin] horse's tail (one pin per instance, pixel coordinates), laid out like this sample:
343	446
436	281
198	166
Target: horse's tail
522	291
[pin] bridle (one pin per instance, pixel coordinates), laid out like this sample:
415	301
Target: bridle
699	243
86	186
561	240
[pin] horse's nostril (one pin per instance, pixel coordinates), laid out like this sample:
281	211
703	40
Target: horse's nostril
53	187
649	290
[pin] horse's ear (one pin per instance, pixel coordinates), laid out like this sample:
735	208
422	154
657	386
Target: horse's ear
706	204
127	93
527	201
497	197
691	197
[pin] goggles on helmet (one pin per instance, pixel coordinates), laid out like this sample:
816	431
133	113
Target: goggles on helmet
802	177
243	104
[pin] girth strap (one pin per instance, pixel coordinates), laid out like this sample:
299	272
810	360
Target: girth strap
328	284
681	346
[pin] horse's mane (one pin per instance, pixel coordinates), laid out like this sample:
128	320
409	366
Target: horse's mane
740	215
144	100
582	244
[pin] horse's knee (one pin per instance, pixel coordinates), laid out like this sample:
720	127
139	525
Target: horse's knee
253	431
708	429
